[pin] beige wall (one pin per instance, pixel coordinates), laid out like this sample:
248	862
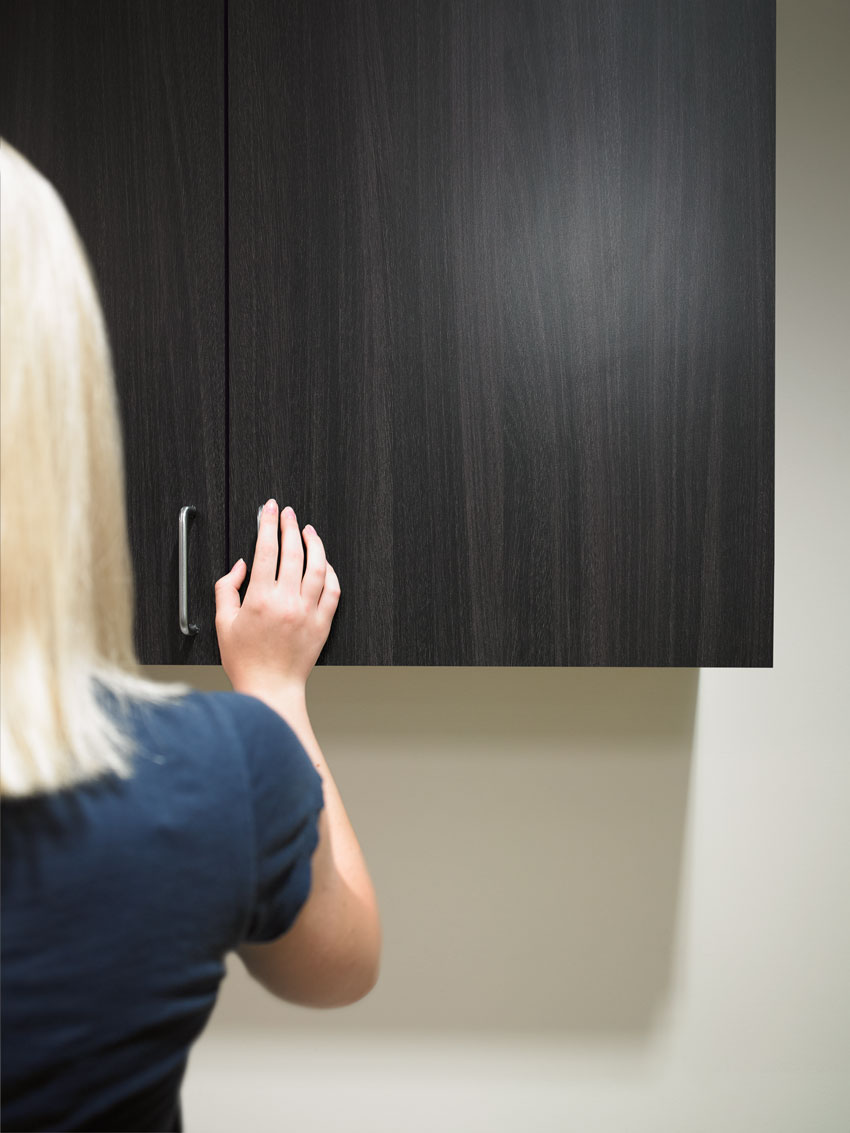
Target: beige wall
613	900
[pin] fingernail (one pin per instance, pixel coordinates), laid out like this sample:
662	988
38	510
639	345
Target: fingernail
271	505
289	513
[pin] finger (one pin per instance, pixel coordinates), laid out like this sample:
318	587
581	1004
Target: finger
227	603
314	575
330	595
291	554
265	554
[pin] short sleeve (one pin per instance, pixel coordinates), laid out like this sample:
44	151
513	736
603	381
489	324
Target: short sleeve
285	800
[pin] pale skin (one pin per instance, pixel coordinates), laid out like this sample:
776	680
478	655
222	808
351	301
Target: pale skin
269	644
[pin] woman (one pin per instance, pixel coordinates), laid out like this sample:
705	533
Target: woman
148	829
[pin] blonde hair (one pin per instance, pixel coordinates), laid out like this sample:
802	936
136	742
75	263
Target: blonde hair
66	579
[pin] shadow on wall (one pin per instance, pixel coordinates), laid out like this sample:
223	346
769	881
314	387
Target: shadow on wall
524	830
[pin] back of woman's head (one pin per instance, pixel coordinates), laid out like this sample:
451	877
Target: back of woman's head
66	581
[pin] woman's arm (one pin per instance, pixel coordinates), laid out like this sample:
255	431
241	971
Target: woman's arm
330	957
269	645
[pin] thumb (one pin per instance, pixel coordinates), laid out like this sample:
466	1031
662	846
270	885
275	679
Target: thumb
227	602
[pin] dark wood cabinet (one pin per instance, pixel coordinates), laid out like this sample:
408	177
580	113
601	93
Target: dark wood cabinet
120	104
483	290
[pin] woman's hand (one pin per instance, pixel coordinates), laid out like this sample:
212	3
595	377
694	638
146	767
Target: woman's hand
272	640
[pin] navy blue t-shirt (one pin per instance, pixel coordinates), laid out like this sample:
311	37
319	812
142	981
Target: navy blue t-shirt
121	898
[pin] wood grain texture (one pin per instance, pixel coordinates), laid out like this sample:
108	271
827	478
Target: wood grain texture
502	322
121	105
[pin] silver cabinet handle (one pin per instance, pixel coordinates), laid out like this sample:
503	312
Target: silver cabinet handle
259	513
183	571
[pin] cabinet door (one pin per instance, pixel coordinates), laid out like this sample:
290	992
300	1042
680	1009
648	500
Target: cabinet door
121	105
501	321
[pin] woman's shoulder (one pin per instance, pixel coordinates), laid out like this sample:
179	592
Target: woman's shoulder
237	725
251	718
216	711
